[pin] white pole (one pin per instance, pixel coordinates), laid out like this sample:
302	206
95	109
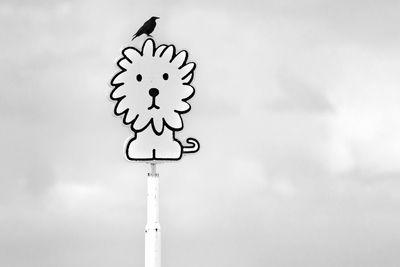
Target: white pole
153	230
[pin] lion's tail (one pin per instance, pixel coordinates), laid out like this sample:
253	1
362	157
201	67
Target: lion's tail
192	147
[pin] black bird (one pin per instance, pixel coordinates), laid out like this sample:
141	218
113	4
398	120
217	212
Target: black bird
147	28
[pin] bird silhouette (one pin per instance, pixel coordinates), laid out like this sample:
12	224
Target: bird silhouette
147	28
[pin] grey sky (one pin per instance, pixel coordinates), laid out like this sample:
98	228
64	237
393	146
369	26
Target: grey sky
296	108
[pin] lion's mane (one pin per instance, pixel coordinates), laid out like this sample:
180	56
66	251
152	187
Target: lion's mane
153	67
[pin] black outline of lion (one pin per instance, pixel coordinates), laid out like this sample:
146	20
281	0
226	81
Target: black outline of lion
193	145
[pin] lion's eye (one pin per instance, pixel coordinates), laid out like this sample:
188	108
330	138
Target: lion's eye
139	77
165	76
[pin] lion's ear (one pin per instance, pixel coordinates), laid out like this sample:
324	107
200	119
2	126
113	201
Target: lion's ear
180	59
119	78
187	69
160	50
188	79
124	63
131	54
148	48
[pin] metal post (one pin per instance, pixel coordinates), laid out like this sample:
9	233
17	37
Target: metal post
153	230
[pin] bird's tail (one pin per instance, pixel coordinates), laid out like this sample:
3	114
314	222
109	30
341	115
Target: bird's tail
133	37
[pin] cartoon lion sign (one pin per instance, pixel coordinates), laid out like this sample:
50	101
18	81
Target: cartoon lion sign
151	92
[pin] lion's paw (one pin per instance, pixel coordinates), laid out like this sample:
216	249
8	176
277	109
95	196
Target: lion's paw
137	151
172	150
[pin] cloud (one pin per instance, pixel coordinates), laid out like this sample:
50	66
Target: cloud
296	112
299	96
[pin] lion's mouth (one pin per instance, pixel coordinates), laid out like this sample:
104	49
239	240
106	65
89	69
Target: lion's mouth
153	104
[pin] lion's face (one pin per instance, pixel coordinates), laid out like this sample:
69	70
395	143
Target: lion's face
153	86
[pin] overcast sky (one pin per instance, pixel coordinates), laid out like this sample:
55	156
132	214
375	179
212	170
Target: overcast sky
296	108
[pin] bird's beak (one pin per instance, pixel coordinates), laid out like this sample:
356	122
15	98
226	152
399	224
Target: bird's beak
157	17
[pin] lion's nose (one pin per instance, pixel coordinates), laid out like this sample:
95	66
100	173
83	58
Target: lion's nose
153	92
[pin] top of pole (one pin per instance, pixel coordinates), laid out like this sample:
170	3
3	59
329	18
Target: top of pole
153	172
